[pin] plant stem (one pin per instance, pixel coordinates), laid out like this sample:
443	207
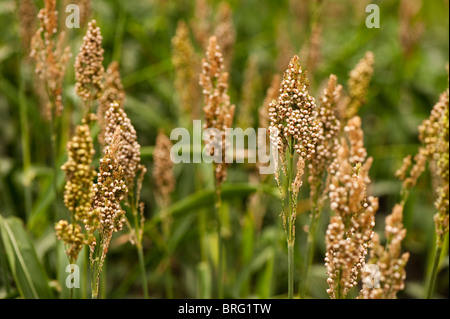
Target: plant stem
433	273
25	140
291	223
309	251
142	267
138	244
218	206
290	270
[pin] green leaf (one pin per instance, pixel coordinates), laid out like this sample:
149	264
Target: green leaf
28	273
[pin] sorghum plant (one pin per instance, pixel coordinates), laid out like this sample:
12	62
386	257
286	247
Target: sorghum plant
358	84
349	232
27	22
294	132
433	133
116	122
390	273
218	116
325	152
165	185
78	190
186	67
225	32
78	193
89	69
51	57
50	54
108	216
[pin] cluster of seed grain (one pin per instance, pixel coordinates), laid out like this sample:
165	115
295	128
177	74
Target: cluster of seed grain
79	173
89	68
434	135
293	116
328	141
350	230
51	57
358	83
390	261
163	168
186	67
201	25
72	236
110	190
129	152
411	27
27	22
218	111
224	31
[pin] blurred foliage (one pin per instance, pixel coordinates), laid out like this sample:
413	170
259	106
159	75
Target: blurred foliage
138	34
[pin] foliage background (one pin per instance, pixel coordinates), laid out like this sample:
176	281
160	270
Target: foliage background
138	35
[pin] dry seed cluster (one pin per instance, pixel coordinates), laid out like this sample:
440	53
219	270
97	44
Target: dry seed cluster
390	261
51	57
218	111
434	135
163	168
129	152
350	230
293	117
88	65
328	141
110	190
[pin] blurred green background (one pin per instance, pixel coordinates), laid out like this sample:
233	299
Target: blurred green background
408	78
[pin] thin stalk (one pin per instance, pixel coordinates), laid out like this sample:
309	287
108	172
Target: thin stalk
433	273
71	292
25	140
94	283
309	250
138	244
291	223
168	271
218	206
290	270
142	267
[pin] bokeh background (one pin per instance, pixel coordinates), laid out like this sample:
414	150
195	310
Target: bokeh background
411	50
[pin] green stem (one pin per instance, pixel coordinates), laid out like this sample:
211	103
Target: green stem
291	223
142	267
218	206
25	140
309	251
139	248
290	270
433	273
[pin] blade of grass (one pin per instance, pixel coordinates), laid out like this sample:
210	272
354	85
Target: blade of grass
28	273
